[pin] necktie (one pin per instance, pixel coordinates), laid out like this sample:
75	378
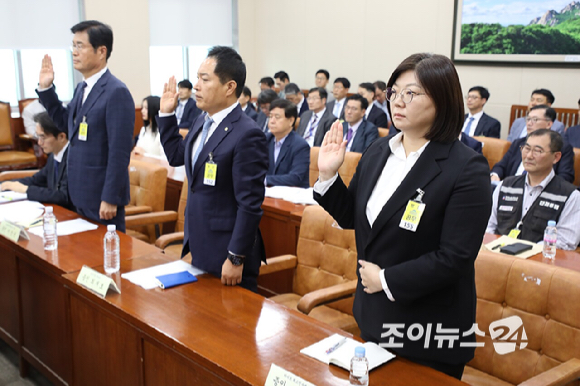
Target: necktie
204	131
349	135
313	126
56	163
336	111
179	112
468	127
265	128
277	147
80	93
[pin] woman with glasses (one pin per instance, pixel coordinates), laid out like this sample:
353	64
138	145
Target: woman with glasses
419	203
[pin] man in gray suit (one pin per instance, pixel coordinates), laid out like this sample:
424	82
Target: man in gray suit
315	122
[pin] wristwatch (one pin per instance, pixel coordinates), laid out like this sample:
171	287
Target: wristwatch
235	259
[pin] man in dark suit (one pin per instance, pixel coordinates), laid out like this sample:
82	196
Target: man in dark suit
294	94
226	160
289	153
264	99
100	120
572	134
246	105
50	183
478	123
539	97
282	79
317	120
539	117
358	132
187	110
266	83
340	92
373	114
472	143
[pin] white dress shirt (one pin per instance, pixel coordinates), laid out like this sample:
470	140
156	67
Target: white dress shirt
476	119
354	131
310	138
58	156
338	104
91	81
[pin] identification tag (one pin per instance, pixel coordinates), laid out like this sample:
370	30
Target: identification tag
83	130
514	233
413	212
210	173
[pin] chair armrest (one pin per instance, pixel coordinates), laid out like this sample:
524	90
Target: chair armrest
278	263
559	375
150	218
326	295
133	210
13	175
27	137
165	240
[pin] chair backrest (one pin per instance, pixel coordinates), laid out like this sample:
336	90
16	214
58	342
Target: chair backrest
541	295
493	149
23	103
326	254
569	117
138	122
148	184
576	166
179	225
346	170
313	164
383	132
6	136
183	132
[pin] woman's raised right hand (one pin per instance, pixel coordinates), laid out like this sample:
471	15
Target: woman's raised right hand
331	155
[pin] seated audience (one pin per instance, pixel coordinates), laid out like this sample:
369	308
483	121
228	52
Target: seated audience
28	114
149	140
527	202
340	92
315	122
288	152
478	123
186	110
282	80
539	117
381	97
373	114
245	103
264	99
50	184
295	95
359	133
267	83
572	134
539	97
471	142
321	80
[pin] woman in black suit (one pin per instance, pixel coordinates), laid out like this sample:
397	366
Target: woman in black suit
419	203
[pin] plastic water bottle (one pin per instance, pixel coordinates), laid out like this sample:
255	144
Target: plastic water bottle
550	238
112	250
49	237
359	368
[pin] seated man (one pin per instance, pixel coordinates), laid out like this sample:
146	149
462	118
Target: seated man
267	83
264	99
282	79
373	114
50	183
289	153
478	123
340	92
245	103
187	110
539	97
381	97
572	134
359	133
527	202
317	120
321	80
293	94
539	117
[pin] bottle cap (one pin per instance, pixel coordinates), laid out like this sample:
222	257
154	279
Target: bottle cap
48	209
359	351
551	223
111	227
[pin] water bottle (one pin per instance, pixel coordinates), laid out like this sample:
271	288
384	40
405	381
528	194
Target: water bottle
112	250
550	238
359	368
50	238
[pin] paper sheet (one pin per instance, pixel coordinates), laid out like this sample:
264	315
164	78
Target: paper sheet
9	196
505	240
292	194
66	228
146	277
21	212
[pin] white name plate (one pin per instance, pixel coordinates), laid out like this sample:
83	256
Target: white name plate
280	377
12	231
96	282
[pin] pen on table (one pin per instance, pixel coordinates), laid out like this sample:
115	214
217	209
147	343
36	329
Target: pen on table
35	223
337	345
497	246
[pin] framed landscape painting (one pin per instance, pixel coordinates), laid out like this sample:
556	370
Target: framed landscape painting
517	31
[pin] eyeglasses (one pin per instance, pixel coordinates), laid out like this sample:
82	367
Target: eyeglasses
78	47
471	97
406	95
535	119
313	98
536	151
40	138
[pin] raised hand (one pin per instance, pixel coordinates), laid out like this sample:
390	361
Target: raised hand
332	151
46	73
168	101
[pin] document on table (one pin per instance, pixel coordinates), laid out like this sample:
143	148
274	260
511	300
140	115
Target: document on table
292	194
9	196
146	277
66	228
21	212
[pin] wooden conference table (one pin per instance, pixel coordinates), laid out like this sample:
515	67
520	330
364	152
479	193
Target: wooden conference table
201	333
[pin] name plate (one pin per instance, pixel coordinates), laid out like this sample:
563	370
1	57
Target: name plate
96	282
12	231
280	377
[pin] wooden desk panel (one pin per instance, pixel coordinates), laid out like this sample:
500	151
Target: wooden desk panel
9	309
280	226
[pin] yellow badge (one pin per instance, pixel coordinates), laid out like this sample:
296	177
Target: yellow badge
514	233
412	216
210	173
83	130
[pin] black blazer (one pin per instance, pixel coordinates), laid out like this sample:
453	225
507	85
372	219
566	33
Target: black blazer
365	135
330	106
430	272
292	168
304	108
487	126
472	143
323	126
572	136
251	112
509	164
190	112
378	117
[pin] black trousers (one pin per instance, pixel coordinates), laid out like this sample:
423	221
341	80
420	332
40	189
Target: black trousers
455	371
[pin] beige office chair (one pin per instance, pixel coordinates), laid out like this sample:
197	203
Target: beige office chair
493	149
11	158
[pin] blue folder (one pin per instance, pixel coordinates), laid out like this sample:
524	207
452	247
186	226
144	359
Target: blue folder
175	279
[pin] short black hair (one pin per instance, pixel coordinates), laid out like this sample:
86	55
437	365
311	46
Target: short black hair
545	92
292	88
282	75
483	92
380	85
268	81
323	72
247	92
185	83
357	97
345	83
267	96
99	34
229	66
556	142
290	110
153	103
549	112
321	92
368	86
47	125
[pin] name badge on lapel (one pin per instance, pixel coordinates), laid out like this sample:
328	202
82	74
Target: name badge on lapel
210	173
413	212
83	130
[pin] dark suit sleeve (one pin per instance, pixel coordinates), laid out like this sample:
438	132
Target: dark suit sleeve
495	129
57	112
565	167
501	167
381	120
189	115
38	179
370	136
299	171
173	142
38	189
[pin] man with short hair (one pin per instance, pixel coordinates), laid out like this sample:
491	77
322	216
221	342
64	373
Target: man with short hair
572	134
373	114
540	96
381	97
539	117
226	160
187	110
321	80
246	105
282	80
266	83
264	99
295	95
317	120
100	119
340	92
526	202
478	123
50	184
359	132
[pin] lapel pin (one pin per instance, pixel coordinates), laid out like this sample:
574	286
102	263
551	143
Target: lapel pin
226	129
